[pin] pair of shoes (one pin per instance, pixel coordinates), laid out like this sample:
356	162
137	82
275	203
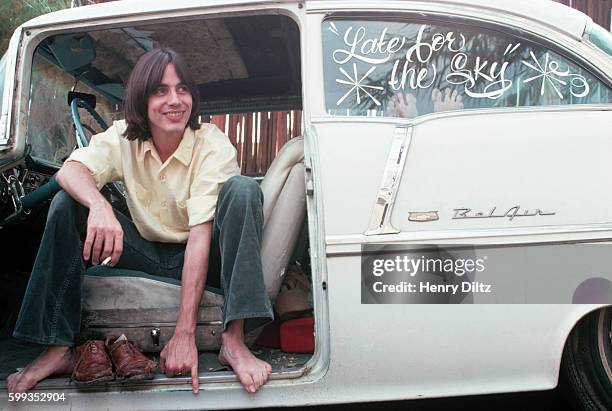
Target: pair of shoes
130	363
96	358
92	365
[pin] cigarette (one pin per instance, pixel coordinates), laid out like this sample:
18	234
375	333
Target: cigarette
106	261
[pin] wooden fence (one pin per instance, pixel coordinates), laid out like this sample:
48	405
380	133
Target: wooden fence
258	136
598	10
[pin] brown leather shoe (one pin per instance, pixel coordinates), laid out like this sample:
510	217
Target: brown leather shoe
129	362
93	364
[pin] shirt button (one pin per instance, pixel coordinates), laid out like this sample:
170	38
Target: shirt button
162	177
163	204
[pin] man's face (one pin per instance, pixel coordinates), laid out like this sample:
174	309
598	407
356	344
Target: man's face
169	106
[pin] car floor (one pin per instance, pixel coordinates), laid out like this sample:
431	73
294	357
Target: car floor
16	354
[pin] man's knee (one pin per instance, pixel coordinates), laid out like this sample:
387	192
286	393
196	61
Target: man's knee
243	189
62	204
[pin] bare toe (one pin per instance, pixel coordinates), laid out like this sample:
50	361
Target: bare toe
251	371
20	382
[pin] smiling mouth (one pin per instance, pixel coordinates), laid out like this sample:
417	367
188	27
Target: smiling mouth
174	114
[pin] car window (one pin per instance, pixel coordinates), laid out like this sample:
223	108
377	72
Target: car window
406	69
51	132
601	38
253	67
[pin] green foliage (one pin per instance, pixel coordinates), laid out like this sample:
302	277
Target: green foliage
15	12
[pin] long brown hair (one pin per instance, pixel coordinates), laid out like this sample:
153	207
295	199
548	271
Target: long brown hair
144	80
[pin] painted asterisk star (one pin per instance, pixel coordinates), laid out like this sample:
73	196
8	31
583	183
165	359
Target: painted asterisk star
357	85
548	73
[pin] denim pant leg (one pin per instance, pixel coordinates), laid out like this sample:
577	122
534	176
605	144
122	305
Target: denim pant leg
51	310
237	230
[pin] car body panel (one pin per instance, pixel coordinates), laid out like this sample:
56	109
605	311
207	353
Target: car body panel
401	351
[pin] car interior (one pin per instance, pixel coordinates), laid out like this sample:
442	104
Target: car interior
247	69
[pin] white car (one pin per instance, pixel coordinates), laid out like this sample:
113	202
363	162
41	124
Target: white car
455	180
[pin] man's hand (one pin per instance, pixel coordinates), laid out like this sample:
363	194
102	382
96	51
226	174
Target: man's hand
179	355
104	235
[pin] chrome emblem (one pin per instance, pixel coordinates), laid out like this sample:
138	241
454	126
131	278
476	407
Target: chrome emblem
510	214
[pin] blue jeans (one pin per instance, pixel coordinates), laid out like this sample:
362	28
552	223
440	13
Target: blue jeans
51	310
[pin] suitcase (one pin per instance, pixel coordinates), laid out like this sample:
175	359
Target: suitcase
148	321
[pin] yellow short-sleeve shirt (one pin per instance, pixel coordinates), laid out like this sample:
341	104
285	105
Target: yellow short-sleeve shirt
165	200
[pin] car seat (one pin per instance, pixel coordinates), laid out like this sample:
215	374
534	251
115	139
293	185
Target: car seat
145	307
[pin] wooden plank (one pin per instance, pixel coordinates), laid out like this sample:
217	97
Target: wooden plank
219	121
272	138
287	131
579	5
264	142
248	144
281	130
233	135
297	123
242	160
603	11
255	157
256	162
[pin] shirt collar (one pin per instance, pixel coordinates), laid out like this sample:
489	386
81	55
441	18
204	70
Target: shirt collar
185	149
182	153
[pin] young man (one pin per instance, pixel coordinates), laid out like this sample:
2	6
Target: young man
178	175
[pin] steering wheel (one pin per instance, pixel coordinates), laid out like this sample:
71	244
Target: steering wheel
25	203
116	189
75	104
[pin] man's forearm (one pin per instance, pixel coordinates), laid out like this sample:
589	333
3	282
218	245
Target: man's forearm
194	276
77	181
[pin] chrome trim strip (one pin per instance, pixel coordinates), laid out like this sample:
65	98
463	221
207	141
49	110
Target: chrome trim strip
383	207
149	324
319	119
511	235
356	251
160	382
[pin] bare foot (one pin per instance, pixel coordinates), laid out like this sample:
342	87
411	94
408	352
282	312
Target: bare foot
53	361
402	105
252	372
446	101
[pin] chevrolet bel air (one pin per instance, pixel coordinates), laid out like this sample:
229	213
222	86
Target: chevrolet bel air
439	173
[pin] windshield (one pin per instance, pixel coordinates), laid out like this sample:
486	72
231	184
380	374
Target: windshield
601	38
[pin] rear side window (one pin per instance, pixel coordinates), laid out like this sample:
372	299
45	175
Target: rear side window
407	69
602	39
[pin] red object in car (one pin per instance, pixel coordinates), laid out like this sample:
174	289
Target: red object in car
270	335
297	335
